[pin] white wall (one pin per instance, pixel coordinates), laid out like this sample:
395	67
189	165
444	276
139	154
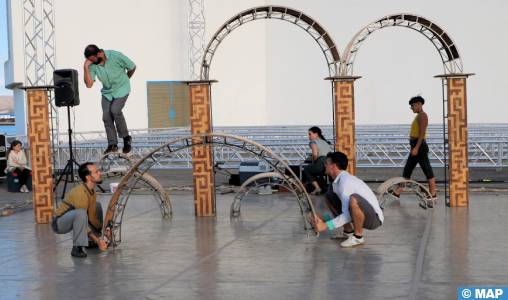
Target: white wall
297	93
14	66
271	72
395	63
152	33
240	96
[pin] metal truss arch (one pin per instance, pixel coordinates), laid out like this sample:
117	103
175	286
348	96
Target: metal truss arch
263	180
113	221
316	31
386	189
447	49
115	164
197	27
118	202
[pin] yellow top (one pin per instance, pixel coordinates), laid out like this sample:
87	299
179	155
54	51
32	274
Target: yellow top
415	129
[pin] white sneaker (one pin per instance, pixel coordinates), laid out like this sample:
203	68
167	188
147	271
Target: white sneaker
23	189
352	241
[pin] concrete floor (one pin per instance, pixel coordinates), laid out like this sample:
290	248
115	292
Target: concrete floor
265	254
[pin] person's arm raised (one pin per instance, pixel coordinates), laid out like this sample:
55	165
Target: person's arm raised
88	77
131	72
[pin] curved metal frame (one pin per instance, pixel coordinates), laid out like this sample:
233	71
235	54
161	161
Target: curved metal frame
113	221
318	33
384	191
265	179
118	202
447	49
123	163
158	191
116	163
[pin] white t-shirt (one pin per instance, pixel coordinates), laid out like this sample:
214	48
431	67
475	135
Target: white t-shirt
346	185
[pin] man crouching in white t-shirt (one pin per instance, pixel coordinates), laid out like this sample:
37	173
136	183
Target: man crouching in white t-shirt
360	208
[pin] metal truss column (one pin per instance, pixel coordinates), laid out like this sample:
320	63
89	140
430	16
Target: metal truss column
446	166
457	139
196	37
40	55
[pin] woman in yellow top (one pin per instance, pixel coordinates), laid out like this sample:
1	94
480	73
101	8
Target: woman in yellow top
419	149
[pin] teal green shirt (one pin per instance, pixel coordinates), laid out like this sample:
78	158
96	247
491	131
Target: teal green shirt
113	75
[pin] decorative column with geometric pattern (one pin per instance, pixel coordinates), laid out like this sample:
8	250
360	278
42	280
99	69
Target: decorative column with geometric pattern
40	152
343	93
202	156
457	139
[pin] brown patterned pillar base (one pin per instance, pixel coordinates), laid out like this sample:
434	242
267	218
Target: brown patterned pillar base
457	139
343	93
40	153
202	157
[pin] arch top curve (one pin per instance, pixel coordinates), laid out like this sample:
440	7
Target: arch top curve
311	26
446	47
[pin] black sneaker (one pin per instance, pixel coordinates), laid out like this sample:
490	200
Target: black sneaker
77	251
127	144
111	148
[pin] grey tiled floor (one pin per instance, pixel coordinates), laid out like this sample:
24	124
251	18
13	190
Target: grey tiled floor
265	254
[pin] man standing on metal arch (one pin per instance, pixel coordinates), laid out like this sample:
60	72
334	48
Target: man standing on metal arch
114	71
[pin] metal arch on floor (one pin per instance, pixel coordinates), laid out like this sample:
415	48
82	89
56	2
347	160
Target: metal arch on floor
386	189
118	202
268	179
115	165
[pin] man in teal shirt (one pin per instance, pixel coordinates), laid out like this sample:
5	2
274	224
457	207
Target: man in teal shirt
114	71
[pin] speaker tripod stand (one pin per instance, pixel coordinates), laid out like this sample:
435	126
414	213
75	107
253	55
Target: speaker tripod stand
68	171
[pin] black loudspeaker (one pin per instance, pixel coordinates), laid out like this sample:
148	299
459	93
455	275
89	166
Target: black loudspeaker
66	87
3	146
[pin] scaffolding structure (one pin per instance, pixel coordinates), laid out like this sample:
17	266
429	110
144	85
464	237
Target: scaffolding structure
376	147
196	24
40	56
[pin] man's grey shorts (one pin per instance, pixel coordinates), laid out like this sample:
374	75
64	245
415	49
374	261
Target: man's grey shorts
371	221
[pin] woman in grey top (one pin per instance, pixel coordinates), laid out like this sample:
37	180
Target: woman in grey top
320	148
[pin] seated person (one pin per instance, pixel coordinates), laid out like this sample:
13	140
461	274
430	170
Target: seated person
81	213
18	164
320	147
359	206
